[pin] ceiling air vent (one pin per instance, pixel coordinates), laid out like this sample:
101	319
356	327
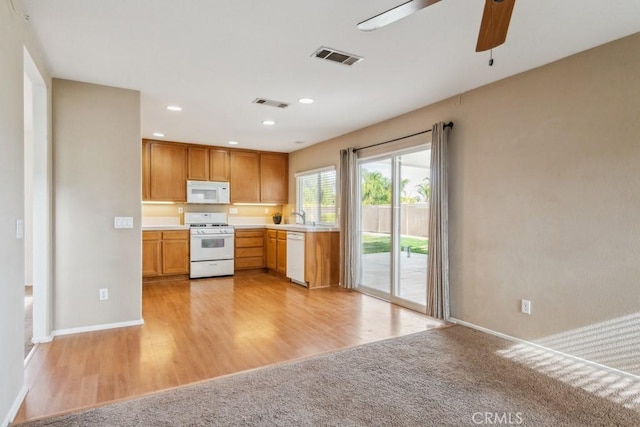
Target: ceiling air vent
337	56
270	102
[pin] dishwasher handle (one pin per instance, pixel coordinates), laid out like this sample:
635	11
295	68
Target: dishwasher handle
295	236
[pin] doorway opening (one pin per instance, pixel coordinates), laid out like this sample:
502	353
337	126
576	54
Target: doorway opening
394	226
37	206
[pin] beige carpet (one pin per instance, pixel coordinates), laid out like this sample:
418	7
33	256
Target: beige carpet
453	376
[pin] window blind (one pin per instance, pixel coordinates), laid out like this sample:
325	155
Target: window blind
317	196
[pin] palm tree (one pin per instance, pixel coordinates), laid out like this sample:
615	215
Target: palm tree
424	189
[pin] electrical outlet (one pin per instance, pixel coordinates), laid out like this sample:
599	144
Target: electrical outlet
180	210
104	294
266	210
525	306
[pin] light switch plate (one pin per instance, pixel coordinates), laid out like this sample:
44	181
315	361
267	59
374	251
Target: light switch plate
19	228
233	211
123	222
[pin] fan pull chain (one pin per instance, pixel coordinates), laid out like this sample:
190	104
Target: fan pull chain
491	29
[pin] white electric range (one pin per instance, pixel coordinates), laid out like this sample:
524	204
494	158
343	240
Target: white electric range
212	244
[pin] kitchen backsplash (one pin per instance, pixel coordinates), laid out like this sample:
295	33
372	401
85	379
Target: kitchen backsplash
236	214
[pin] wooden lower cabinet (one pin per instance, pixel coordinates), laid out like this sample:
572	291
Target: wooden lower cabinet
281	253
151	253
322	259
276	245
165	253
175	252
271	243
249	248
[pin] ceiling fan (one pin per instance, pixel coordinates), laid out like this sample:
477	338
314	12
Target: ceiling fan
493	28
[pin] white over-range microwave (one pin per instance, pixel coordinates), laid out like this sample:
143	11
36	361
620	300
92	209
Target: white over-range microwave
207	192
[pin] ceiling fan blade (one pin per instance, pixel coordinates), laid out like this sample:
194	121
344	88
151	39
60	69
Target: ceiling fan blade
392	15
495	23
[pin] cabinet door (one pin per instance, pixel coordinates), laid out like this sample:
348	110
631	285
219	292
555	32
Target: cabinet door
175	257
168	174
273	178
198	164
245	177
272	251
282	252
218	165
146	187
151	257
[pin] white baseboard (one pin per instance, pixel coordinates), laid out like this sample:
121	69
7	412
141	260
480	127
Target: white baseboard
40	340
94	328
15	407
521	341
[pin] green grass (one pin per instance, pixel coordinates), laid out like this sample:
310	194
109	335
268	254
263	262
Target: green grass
375	243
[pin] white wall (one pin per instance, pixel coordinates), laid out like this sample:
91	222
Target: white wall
544	201
13	38
97	176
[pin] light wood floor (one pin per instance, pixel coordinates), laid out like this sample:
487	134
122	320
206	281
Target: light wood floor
195	330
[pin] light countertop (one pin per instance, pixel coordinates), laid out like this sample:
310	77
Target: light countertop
164	227
291	227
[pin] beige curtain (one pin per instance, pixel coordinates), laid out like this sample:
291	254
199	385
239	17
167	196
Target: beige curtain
348	219
438	271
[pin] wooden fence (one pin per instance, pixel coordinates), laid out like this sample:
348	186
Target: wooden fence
414	219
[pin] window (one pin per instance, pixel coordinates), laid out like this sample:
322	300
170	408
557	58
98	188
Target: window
316	195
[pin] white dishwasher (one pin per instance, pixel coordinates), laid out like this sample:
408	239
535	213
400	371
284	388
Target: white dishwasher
295	257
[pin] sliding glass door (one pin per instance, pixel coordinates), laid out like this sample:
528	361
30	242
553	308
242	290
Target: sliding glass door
376	179
394	225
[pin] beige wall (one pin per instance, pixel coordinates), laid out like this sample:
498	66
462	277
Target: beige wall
545	195
97	176
13	37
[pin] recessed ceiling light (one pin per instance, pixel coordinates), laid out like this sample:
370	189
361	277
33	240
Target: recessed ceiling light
174	108
305	101
299	142
268	122
158	134
233	142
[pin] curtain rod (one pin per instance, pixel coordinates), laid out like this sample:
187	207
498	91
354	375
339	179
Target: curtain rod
447	125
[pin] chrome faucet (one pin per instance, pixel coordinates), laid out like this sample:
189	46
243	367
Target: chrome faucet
302	215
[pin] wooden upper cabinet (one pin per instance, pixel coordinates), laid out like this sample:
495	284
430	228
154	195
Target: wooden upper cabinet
245	177
146	185
208	164
254	176
198	164
218	165
273	178
168	163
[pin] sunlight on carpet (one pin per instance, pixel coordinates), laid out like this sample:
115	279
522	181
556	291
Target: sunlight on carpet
617	388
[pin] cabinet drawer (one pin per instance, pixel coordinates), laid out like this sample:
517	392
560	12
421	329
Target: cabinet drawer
175	235
282	235
249	252
151	235
251	262
250	233
272	234
249	242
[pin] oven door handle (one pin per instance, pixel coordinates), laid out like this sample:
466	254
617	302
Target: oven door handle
209	236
